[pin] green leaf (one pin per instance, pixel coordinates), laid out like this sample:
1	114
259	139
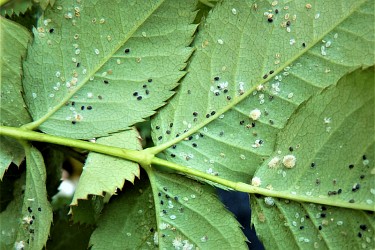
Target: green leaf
292	225
128	221
87	211
7	185
88	61
106	174
236	49
189	214
14	39
36	210
333	145
65	235
44	3
16	7
11	216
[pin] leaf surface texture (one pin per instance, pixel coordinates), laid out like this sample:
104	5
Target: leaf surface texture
98	68
12	106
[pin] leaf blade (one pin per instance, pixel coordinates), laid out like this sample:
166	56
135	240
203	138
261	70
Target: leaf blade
238	63
127	222
309	225
12	105
115	64
323	169
189	214
36	209
325	130
104	174
9	217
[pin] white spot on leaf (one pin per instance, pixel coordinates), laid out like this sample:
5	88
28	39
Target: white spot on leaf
289	161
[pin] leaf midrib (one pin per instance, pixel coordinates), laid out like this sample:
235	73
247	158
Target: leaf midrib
35	124
238	99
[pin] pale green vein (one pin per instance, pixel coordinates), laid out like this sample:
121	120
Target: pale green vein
238	99
35	124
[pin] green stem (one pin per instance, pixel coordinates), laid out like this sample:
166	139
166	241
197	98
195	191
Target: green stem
146	158
142	157
246	188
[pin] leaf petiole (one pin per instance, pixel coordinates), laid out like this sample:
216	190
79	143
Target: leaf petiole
142	157
146	158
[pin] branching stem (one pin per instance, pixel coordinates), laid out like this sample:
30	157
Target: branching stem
142	157
146	157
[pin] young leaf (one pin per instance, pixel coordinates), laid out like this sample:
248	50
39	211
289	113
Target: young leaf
36	210
105	174
252	69
98	68
12	105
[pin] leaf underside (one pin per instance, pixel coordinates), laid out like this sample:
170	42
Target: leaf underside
36	214
276	67
190	215
334	148
237	48
292	225
97	68
105	174
171	213
128	221
12	105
